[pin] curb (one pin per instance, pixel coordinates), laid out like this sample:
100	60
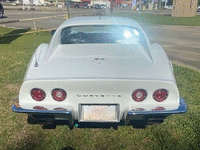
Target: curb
30	32
29	19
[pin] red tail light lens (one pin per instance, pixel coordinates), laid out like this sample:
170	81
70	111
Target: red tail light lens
158	109
160	95
39	108
60	109
138	109
139	95
59	94
38	94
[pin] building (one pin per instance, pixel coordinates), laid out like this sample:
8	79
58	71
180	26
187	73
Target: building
184	8
100	2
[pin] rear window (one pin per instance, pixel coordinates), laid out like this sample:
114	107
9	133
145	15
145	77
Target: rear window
102	34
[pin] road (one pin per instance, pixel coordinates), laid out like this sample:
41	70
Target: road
181	43
11	15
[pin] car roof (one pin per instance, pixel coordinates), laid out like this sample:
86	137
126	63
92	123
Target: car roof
99	20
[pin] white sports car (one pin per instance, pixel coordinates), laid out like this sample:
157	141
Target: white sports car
99	70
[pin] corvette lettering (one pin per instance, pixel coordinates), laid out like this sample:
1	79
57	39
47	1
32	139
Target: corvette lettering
96	95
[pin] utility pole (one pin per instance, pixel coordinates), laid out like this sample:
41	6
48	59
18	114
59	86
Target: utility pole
140	6
67	3
111	6
166	3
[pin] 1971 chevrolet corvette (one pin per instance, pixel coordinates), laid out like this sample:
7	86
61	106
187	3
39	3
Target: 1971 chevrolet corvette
99	70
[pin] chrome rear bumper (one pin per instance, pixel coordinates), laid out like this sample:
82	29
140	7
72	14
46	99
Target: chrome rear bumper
153	115
51	115
44	116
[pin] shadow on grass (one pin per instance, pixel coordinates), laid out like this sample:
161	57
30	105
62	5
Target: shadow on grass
26	142
3	17
67	148
11	36
166	15
135	124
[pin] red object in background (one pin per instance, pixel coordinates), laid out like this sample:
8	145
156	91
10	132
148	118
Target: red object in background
86	1
118	1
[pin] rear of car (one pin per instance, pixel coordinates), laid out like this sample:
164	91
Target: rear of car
76	5
84	6
198	9
1	11
99	73
102	100
97	6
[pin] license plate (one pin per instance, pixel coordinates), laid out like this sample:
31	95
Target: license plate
99	113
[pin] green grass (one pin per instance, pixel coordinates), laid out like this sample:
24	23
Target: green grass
154	19
176	132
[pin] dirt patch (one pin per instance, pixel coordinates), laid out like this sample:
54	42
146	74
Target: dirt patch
12	87
9	88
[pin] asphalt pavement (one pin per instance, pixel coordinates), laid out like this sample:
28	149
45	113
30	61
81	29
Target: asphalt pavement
181	43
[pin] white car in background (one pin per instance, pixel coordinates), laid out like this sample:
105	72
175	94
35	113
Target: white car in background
99	70
1	11
198	9
170	7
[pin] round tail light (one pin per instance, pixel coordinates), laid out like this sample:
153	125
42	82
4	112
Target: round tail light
60	109
160	95
39	108
38	94
139	95
158	109
59	94
138	109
